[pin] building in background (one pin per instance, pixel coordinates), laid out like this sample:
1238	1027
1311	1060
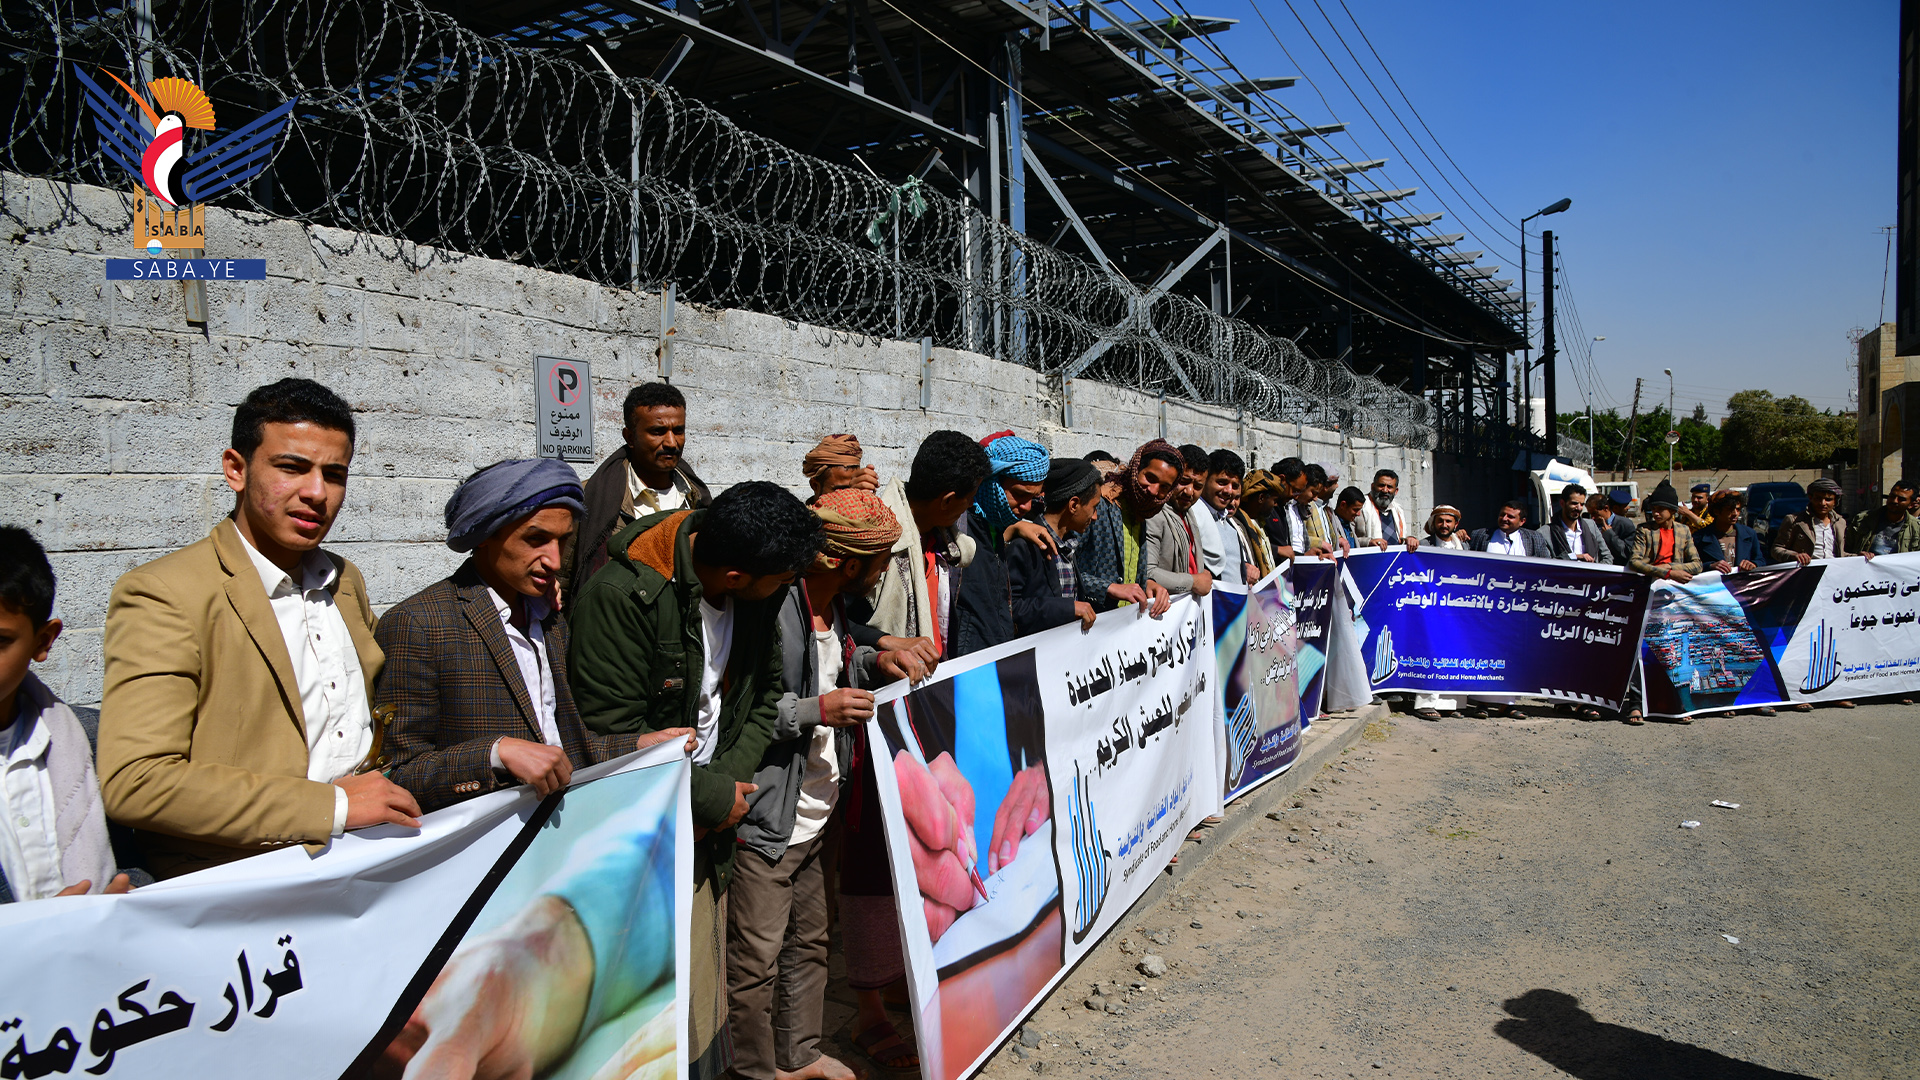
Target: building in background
1889	399
1906	303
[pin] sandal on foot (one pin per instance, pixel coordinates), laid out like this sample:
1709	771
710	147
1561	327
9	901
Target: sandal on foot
1633	718
1587	714
1803	707
1845	704
1427	714
882	1045
1516	714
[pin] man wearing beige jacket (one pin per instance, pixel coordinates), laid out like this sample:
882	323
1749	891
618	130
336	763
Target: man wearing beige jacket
238	668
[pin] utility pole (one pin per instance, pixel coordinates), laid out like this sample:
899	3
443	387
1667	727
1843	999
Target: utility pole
1633	421
1673	429
1523	413
1549	353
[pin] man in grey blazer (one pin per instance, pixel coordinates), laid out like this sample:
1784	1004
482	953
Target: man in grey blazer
1573	536
1512	537
1169	553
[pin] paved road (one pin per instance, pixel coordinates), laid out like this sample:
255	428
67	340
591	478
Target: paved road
1517	899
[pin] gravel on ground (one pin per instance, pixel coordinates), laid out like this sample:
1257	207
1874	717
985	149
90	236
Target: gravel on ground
1517	898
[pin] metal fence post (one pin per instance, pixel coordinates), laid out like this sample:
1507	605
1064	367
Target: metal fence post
926	373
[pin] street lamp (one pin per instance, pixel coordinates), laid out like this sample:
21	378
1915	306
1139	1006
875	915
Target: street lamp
1526	316
1673	433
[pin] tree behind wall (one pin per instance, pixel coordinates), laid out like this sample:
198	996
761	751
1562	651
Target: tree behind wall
1699	446
1766	432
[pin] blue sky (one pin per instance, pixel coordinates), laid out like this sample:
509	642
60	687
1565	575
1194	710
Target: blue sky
1730	165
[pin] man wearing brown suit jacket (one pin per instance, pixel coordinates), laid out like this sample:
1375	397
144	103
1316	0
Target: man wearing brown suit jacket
238	668
477	663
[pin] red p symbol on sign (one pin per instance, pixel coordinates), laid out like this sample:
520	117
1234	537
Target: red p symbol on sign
566	383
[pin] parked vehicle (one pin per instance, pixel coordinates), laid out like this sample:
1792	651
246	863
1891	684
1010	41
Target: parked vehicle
1770	501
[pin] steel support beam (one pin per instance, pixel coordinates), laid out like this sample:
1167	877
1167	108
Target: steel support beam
1141	305
1073	216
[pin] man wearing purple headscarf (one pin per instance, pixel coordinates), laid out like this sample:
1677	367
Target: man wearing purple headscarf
477	663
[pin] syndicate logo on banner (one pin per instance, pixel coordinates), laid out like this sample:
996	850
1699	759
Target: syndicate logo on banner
1030	793
1310	585
510	935
1254	651
170	213
1828	631
1474	623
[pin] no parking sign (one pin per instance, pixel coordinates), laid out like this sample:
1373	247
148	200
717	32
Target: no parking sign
563	407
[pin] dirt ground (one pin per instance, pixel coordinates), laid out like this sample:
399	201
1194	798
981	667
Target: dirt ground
1518	898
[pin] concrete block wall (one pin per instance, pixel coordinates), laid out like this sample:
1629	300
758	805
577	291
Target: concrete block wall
113	410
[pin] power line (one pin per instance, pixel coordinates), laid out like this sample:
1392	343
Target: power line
1505	244
1384	133
1415	109
1126	168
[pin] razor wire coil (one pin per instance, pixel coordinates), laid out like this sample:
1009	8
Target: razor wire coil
414	127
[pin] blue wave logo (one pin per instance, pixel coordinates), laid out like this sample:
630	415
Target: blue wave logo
1091	860
1244	736
1823	661
1385	660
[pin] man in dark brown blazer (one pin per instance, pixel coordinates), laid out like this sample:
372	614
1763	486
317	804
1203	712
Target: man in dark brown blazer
477	662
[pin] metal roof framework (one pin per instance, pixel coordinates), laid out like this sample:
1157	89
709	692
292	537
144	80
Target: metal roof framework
1096	123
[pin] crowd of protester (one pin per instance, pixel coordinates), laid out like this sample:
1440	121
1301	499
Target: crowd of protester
253	700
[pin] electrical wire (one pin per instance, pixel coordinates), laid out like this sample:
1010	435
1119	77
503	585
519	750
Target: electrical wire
1125	167
1497	212
1395	113
1506	244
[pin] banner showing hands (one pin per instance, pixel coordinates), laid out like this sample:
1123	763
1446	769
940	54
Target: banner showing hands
1120	728
514	935
938	805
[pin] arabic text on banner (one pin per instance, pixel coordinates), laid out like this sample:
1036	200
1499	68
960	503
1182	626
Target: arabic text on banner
1828	631
1473	623
1260	708
1063	769
416	950
1310	584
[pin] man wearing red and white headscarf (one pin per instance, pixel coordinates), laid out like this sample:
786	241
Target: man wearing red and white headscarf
1112	564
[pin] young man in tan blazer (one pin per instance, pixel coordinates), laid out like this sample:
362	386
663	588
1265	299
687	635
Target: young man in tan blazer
238	668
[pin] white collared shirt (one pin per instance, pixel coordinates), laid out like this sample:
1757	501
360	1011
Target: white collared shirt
530	653
1823	539
1506	543
326	668
820	782
1297	528
716	633
644	500
1210	545
1576	541
29	844
1231	558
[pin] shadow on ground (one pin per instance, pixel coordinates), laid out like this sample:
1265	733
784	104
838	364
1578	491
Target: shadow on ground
1552	1026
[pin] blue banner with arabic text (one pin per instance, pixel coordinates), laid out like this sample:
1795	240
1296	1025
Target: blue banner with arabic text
1496	625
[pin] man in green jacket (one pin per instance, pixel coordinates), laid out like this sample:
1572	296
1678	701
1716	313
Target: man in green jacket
1889	529
678	630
